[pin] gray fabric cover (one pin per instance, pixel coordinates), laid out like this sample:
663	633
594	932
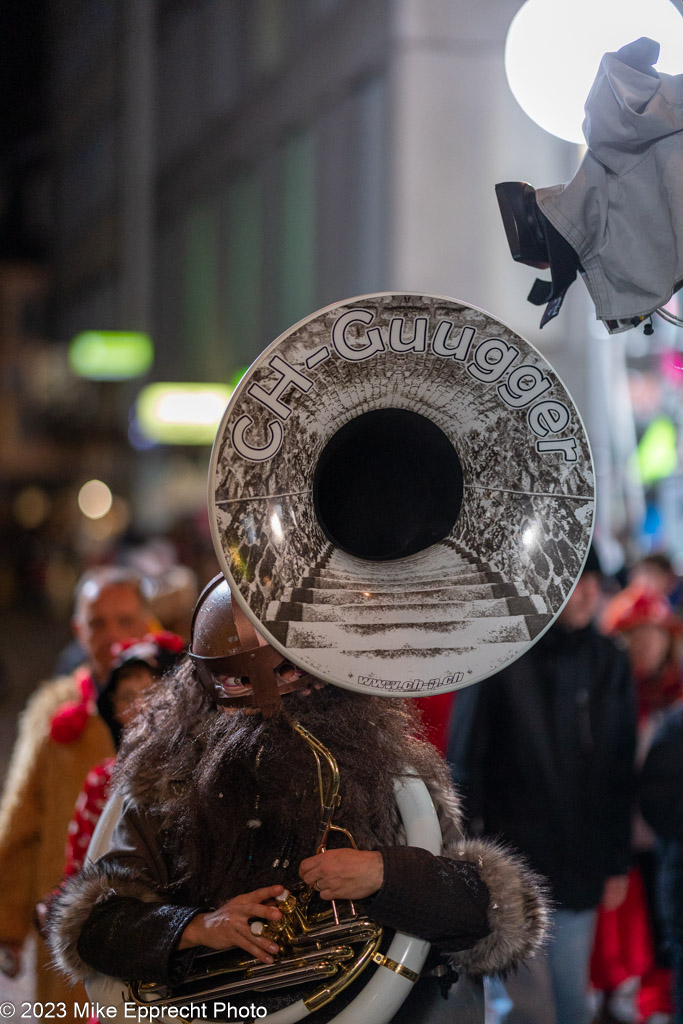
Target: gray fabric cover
622	211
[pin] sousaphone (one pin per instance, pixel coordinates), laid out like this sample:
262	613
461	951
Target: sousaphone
401	494
401	500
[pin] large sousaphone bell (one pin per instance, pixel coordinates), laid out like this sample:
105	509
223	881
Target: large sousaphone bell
401	500
401	494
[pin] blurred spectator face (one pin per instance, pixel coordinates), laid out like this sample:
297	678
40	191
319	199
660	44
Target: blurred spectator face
110	615
130	691
654	574
582	606
648	646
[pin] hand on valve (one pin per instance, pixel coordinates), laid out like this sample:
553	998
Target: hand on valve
229	924
344	874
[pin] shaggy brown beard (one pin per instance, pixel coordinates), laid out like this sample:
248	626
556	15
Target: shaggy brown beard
236	796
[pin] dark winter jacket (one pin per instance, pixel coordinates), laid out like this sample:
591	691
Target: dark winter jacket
661	784
661	797
479	905
543	753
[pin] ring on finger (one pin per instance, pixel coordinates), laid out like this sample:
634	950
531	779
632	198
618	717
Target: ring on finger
316	885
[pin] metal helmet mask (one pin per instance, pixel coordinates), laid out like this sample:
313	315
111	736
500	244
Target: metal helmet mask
235	665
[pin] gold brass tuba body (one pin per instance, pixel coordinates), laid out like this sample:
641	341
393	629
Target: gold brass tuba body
332	946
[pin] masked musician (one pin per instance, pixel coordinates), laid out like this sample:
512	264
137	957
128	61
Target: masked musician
221	811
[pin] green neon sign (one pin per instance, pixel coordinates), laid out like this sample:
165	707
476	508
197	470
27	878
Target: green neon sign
111	355
181	413
656	455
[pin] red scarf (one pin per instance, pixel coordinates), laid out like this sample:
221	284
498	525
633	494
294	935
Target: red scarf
70	719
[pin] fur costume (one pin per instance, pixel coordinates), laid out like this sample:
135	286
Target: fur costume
43	782
174	840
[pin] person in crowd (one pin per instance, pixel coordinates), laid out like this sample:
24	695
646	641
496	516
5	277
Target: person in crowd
656	572
661	797
137	665
630	943
171	594
221	813
544	753
653	635
61	737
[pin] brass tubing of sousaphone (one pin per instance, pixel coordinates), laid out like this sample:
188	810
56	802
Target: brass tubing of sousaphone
310	947
441	603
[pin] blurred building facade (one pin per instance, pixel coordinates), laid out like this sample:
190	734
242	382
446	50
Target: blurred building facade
222	168
226	167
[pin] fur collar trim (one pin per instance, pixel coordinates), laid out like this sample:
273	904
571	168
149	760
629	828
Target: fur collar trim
72	907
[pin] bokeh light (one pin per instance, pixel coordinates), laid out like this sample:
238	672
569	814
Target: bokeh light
554	47
31	507
656	455
181	413
111	355
109	526
95	499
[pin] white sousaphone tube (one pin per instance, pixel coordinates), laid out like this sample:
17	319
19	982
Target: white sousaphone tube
384	992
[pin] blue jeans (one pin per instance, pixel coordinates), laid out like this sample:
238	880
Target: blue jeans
553	987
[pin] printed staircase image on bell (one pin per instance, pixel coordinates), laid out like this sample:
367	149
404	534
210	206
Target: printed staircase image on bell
397	616
401	494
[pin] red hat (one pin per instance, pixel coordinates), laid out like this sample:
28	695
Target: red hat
638	606
160	652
